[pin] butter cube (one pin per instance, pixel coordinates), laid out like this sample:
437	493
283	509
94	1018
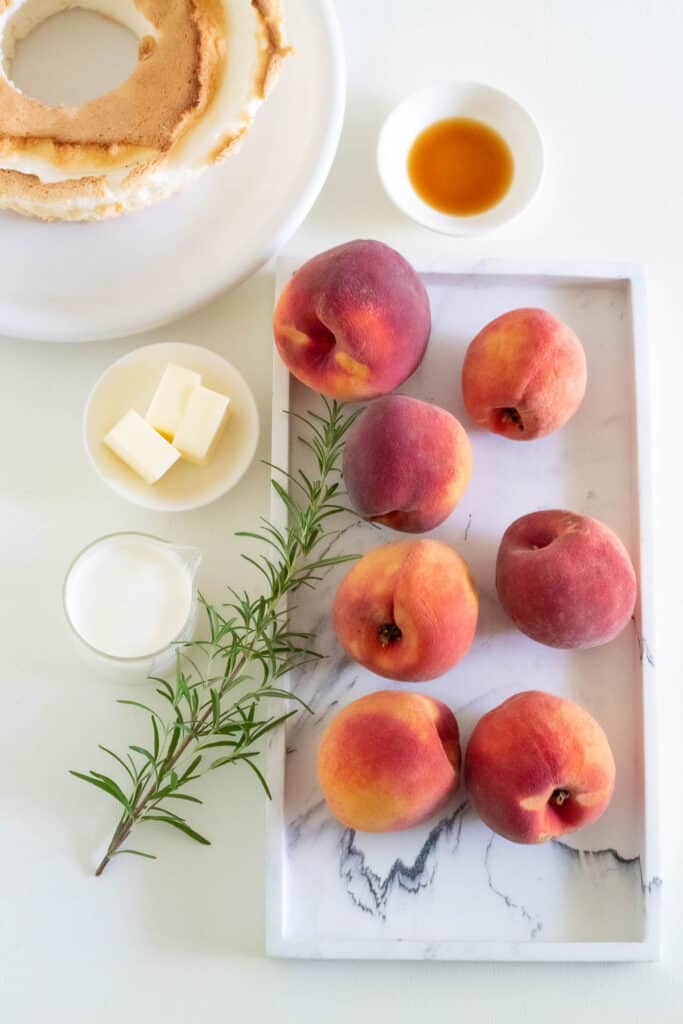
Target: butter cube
170	399
141	447
202	425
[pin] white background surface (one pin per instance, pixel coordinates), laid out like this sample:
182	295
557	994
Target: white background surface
182	939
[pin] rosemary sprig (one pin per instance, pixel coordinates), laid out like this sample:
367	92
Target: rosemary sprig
211	716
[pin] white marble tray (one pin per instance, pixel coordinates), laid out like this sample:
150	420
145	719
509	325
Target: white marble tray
450	889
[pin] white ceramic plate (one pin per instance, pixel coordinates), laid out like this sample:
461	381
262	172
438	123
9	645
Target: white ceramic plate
130	384
82	282
460	99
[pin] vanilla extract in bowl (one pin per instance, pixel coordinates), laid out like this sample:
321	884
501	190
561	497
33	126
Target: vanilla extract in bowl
460	166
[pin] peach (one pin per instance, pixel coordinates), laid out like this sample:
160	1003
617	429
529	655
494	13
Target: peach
537	767
389	760
565	580
407	611
406	463
353	322
524	375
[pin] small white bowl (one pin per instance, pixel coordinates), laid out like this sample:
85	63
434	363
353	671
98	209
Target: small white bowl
129	384
460	99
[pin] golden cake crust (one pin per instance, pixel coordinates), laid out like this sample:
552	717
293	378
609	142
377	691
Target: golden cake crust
133	128
172	82
273	51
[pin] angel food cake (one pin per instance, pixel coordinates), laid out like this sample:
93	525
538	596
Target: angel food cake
204	68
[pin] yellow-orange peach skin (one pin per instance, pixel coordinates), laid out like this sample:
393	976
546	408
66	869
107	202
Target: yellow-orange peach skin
406	463
524	375
389	760
564	579
538	766
354	321
407	611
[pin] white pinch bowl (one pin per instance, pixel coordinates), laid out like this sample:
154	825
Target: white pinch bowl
130	383
460	99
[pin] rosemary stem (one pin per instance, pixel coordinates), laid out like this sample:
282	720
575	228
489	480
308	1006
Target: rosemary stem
253	636
125	827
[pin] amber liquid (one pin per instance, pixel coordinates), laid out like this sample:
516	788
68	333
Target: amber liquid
460	166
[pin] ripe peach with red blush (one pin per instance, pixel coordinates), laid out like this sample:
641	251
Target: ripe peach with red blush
407	611
524	375
389	760
537	767
354	321
565	580
406	463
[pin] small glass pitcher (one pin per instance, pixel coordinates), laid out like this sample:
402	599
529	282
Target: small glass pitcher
156	663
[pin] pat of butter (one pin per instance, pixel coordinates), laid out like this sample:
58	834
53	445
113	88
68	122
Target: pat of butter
141	447
170	399
202	425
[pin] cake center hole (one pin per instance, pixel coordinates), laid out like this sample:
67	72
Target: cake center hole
69	58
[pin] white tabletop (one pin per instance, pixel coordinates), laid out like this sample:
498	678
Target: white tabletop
182	938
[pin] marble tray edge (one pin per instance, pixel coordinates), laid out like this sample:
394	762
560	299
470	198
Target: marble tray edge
649	949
